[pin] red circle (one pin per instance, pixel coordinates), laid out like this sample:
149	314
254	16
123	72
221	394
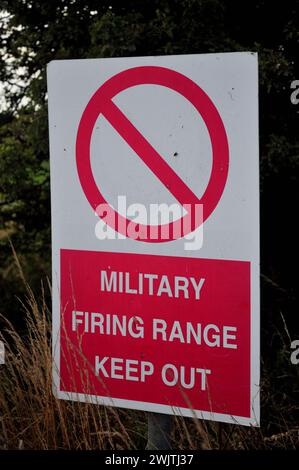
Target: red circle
162	76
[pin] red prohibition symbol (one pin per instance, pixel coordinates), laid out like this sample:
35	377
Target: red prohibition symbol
101	103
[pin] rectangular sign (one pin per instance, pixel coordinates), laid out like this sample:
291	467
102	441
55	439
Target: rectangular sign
155	232
131	306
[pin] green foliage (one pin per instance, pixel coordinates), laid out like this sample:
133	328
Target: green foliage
36	32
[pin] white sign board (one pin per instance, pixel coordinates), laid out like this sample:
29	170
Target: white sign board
155	233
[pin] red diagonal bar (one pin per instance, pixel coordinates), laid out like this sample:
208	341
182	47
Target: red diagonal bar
148	154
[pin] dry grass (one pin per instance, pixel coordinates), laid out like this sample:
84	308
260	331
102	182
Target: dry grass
32	418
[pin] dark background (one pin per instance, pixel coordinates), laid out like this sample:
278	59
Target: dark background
33	33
